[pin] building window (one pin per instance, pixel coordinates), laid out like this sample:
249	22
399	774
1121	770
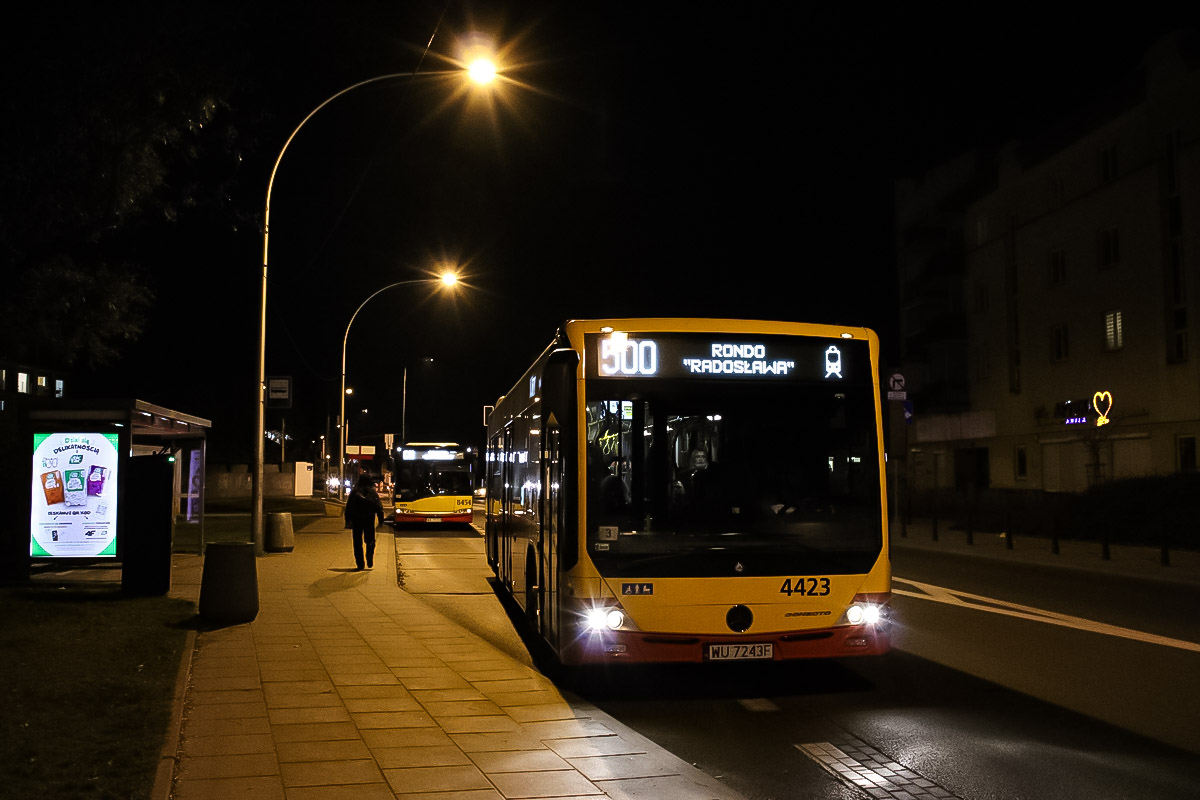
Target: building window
1114	331
58	387
1177	343
1074	412
981	297
1107	163
1056	191
3	379
1185	450
1174	216
1058	267
1108	248
1178	277
983	362
1020	462
41	385
23	383
1059	345
1172	160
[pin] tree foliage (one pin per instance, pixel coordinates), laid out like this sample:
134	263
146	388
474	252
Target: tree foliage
113	139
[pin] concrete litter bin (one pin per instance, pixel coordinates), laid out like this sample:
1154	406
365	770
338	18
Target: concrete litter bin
280	536
229	583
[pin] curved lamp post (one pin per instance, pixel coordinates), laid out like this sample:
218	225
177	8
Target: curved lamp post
448	280
476	73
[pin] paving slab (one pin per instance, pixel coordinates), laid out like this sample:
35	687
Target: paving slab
347	685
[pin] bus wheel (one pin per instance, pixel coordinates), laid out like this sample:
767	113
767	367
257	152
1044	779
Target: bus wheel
531	591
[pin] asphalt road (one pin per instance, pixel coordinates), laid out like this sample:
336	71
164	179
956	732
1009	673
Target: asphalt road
1005	682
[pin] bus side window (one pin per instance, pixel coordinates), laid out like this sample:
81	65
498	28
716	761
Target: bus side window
614	495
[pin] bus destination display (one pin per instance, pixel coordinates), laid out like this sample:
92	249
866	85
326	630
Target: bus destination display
788	358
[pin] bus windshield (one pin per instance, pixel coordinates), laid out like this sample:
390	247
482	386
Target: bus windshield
422	479
431	470
703	479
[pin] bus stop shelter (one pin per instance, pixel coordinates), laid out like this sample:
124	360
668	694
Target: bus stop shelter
153	430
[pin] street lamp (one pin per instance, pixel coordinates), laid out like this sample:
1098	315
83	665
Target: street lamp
448	280
478	74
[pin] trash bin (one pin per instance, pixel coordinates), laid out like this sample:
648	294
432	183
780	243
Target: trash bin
229	583
280	537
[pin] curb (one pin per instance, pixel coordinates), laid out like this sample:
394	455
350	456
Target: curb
168	759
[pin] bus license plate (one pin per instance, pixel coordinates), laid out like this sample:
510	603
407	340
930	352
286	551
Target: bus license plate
740	652
433	519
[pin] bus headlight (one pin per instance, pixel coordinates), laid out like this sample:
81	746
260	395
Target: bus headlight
863	612
604	619
857	615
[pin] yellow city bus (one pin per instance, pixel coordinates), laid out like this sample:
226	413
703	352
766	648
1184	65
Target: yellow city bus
433	483
694	490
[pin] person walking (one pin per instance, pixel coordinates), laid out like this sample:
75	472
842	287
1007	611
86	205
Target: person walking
363	506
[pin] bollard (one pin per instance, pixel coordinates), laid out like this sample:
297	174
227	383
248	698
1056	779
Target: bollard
280	536
229	583
933	516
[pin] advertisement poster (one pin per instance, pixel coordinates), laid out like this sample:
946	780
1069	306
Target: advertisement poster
195	475
74	495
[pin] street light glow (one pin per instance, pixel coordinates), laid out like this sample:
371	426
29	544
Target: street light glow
482	71
449	279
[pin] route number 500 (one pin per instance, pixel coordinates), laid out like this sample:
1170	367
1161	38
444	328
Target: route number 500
628	357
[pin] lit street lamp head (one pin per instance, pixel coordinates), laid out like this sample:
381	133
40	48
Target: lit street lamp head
482	71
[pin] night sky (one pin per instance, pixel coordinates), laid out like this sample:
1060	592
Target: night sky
637	159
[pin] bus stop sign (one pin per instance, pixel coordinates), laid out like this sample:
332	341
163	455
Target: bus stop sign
279	392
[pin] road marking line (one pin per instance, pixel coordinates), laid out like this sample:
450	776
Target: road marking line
758	704
953	597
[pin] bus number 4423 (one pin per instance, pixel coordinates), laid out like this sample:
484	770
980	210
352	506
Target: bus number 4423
805	587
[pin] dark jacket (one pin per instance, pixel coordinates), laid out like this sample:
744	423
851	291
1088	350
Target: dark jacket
362	506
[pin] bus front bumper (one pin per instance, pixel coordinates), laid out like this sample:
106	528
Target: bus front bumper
610	647
399	517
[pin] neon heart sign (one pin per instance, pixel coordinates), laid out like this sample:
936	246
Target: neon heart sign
1105	399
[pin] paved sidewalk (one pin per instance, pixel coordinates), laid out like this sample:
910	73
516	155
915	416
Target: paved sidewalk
346	686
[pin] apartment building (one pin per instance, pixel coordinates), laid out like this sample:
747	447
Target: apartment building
1080	291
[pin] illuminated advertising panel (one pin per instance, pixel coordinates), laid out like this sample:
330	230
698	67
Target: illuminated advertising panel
74	495
727	357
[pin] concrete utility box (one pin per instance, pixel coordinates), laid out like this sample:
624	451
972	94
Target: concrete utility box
304	479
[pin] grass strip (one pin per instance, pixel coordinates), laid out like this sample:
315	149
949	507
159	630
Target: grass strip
86	682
